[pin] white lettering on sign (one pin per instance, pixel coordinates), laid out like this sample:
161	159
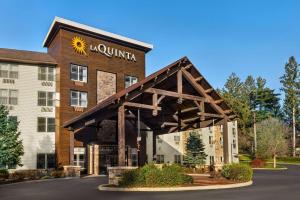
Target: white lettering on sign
110	52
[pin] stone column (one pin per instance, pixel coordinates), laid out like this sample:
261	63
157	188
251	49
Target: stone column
121	136
96	159
225	141
71	151
90	159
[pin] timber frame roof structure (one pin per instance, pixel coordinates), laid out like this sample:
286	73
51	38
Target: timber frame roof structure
175	98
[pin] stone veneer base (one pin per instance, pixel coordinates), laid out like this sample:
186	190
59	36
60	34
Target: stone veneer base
105	187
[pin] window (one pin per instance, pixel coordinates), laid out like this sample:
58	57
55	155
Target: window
8	97
233	132
45	161
177	159
210	139
160	159
13	118
46	73
78	99
45	98
234	144
211	160
45	124
221	159
176	138
9	71
130	80
78	73
79	156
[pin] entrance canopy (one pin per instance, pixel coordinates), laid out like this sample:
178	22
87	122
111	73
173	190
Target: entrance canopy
175	98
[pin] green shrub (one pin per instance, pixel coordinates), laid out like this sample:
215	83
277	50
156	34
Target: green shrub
237	172
4	174
151	176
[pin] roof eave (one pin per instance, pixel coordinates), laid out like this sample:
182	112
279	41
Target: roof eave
57	20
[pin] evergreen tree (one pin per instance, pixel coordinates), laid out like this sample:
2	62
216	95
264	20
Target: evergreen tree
195	154
248	97
291	87
11	148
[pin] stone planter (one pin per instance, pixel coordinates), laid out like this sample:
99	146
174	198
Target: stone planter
114	174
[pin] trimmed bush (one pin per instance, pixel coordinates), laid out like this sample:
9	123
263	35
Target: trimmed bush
258	163
151	176
4	174
237	172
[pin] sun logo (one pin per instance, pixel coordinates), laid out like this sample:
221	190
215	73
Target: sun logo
79	45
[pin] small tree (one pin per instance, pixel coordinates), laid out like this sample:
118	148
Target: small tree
195	154
11	147
271	140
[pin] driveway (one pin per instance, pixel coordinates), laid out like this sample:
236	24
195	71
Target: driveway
275	185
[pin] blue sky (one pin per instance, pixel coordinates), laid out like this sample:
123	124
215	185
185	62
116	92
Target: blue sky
219	36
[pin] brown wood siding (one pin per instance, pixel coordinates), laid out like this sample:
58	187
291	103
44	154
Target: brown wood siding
62	50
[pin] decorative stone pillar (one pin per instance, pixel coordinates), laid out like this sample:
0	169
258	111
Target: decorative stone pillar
96	159
225	141
121	136
71	150
90	159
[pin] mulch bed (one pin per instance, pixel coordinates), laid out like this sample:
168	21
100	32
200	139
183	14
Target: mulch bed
206	180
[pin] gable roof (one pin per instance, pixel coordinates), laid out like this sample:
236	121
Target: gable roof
29	57
151	81
84	29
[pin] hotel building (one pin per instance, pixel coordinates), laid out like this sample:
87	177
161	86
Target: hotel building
65	101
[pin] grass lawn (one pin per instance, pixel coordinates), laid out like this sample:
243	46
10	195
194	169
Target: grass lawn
287	160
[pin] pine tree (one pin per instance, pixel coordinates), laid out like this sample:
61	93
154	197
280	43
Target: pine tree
290	86
195	154
11	148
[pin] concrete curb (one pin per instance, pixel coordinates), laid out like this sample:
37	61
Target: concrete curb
271	169
38	181
105	187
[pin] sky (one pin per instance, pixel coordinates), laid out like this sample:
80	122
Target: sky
247	37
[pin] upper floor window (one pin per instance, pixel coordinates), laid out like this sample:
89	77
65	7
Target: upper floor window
45	98
45	124
46	74
8	97
9	71
78	73
130	80
78	99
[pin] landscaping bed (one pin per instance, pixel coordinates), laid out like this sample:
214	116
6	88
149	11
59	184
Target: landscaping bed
174	178
7	177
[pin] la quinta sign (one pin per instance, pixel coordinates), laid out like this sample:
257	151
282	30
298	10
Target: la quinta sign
112	52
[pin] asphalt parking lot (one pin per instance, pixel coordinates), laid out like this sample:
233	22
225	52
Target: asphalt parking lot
275	185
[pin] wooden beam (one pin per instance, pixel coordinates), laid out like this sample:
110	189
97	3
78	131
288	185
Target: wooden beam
200	89
179	86
210	115
198	78
188	66
188	109
209	90
227	111
155	104
219	101
175	94
169	124
160	99
121	136
139	105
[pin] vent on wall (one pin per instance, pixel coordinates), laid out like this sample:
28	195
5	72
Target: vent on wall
8	81
47	83
46	109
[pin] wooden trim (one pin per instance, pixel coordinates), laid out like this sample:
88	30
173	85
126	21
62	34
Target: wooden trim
143	106
219	101
200	89
175	94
